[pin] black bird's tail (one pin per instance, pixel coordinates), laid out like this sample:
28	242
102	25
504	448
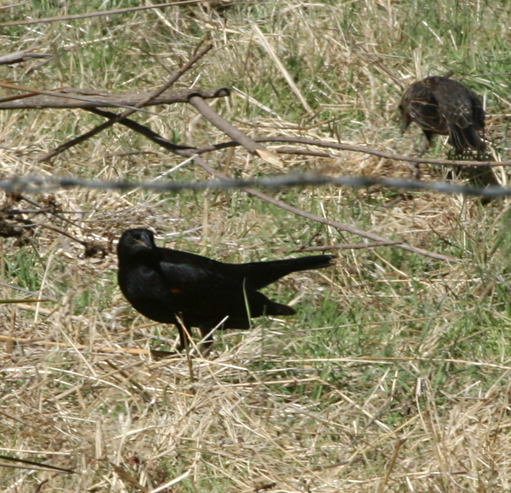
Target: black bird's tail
257	275
279	309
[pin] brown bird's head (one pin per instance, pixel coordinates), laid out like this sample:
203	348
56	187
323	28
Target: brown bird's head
404	108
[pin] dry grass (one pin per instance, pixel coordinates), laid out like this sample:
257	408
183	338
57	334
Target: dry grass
393	376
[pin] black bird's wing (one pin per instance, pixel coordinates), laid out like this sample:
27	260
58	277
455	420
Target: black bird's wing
203	297
178	257
477	111
455	102
255	275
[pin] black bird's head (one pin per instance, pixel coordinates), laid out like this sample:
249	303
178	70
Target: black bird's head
135	241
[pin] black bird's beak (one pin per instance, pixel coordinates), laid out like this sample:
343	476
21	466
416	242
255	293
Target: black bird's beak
144	240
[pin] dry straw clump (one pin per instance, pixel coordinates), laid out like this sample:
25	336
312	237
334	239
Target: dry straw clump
393	375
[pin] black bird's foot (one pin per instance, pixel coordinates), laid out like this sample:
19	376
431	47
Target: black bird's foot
206	348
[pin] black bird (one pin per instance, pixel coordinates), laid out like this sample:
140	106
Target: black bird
171	286
443	106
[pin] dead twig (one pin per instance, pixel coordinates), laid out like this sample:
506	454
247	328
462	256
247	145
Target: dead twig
271	52
38	465
397	447
213	117
348	147
352	246
147	132
104	349
21	56
249	144
85	95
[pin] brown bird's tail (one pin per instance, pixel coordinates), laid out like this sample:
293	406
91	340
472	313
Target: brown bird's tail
464	138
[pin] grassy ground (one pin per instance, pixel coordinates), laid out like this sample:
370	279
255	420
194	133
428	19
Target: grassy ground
393	375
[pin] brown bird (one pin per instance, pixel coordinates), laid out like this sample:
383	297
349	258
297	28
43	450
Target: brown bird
443	106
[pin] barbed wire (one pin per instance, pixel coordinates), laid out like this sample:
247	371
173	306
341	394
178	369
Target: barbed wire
37	184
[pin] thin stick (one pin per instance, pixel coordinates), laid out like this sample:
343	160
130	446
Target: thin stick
21	56
187	338
212	116
348	246
348	147
397	447
147	132
249	144
72	97
106	349
33	102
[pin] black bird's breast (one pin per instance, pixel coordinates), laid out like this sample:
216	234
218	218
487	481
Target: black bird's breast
150	293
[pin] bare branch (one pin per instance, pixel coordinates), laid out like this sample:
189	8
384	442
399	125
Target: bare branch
147	100
249	144
77	98
21	56
347	246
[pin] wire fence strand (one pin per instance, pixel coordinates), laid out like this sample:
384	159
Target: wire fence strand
37	184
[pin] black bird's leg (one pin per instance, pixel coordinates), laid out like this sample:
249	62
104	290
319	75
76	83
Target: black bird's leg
207	336
426	146
182	338
184	333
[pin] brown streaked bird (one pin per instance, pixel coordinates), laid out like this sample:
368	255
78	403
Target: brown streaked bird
181	288
443	106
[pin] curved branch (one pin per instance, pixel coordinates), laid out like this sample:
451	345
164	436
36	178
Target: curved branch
348	147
